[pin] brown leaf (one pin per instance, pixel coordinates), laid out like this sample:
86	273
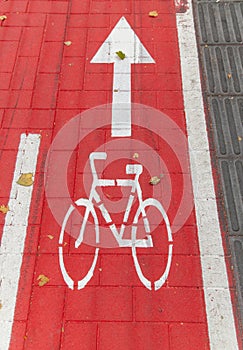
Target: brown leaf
25	179
50	236
42	280
67	43
239	138
229	76
1	305
4	209
154	180
153	13
3	18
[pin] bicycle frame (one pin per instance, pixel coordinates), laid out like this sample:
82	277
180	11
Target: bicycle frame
135	169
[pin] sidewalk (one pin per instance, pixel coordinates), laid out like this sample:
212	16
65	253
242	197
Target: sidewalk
118	229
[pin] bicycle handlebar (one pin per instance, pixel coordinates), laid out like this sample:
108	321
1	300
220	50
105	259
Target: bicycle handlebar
96	155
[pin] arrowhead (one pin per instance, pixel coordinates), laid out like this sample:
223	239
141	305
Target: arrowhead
122	38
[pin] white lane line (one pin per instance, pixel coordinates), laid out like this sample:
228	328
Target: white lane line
220	318
122	38
14	234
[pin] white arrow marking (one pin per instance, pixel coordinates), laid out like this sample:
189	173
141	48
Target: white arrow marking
122	38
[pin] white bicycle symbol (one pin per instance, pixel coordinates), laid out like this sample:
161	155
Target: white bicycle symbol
134	243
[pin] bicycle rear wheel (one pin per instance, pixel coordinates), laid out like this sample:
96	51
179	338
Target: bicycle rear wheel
142	212
89	210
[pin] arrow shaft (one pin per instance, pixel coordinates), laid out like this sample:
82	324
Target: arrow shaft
121	99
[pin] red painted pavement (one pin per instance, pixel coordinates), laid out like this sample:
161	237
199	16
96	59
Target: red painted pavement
43	85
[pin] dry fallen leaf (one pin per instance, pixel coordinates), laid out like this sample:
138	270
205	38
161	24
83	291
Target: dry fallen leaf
1	305
154	180
153	13
229	76
239	138
135	156
25	179
4	209
42	280
121	55
50	236
3	17
67	43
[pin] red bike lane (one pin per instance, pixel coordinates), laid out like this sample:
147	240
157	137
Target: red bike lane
49	80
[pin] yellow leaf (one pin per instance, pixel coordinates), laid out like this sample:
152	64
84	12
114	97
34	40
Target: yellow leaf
153	13
25	179
3	17
50	236
67	43
4	209
42	280
121	55
229	76
154	180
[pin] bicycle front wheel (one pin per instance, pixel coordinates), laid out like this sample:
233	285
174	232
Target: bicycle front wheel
89	212
142	213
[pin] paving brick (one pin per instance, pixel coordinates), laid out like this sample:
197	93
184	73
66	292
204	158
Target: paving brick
185	272
77	266
48	7
45	91
77	21
103	81
162	82
62	115
24	73
31	41
51	57
80	99
32	241
43	316
15	99
118	270
25	20
80	7
76	333
18	334
13	6
170	100
5	81
186	241
162	7
169	305
78	39
72	73
153	35
55	27
10	34
25	288
189	336
131	335
8	55
149	99
26	118
123	6
99	304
